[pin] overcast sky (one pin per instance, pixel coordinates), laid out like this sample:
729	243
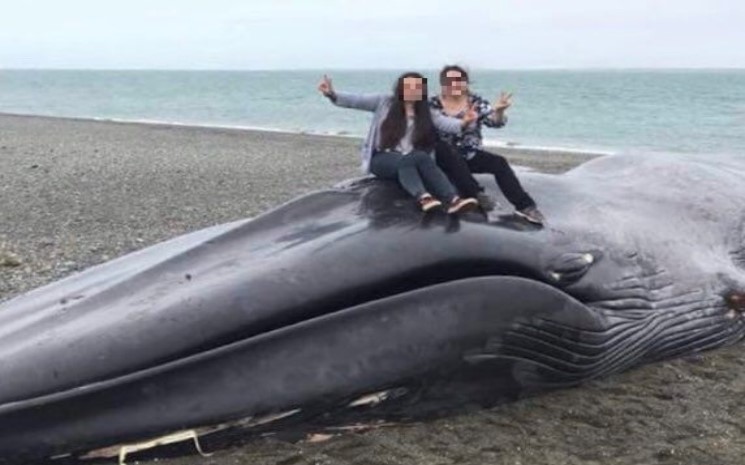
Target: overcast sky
327	34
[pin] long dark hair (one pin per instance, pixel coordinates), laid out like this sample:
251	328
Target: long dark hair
393	128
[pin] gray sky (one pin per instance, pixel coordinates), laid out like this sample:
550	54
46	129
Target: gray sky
326	34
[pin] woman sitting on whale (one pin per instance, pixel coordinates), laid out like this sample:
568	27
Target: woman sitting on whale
455	99
402	137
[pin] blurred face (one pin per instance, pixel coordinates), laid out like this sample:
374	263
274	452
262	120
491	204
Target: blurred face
413	90
454	84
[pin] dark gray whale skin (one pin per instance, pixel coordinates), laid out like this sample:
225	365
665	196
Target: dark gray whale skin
349	291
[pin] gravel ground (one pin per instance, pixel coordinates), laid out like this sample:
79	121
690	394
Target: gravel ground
74	193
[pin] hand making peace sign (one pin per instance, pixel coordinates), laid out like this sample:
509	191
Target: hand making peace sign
326	87
504	102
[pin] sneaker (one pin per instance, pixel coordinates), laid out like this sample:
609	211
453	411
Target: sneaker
459	205
531	214
427	203
486	202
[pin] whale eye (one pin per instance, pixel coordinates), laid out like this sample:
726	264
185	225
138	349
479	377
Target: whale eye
569	267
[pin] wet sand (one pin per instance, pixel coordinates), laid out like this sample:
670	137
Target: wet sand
74	193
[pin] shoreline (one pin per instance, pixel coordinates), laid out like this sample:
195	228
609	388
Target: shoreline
489	143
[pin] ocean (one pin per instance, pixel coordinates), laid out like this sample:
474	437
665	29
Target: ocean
598	111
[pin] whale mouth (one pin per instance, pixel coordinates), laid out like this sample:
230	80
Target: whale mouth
559	270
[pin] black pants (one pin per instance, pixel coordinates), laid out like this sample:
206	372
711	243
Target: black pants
460	171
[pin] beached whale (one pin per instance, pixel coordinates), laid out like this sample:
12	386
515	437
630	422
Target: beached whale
348	304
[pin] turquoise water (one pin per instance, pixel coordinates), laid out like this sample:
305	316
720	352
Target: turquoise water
672	111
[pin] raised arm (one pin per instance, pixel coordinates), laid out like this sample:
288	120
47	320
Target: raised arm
493	116
367	102
454	125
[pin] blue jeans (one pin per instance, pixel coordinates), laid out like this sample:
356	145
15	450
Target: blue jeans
413	171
